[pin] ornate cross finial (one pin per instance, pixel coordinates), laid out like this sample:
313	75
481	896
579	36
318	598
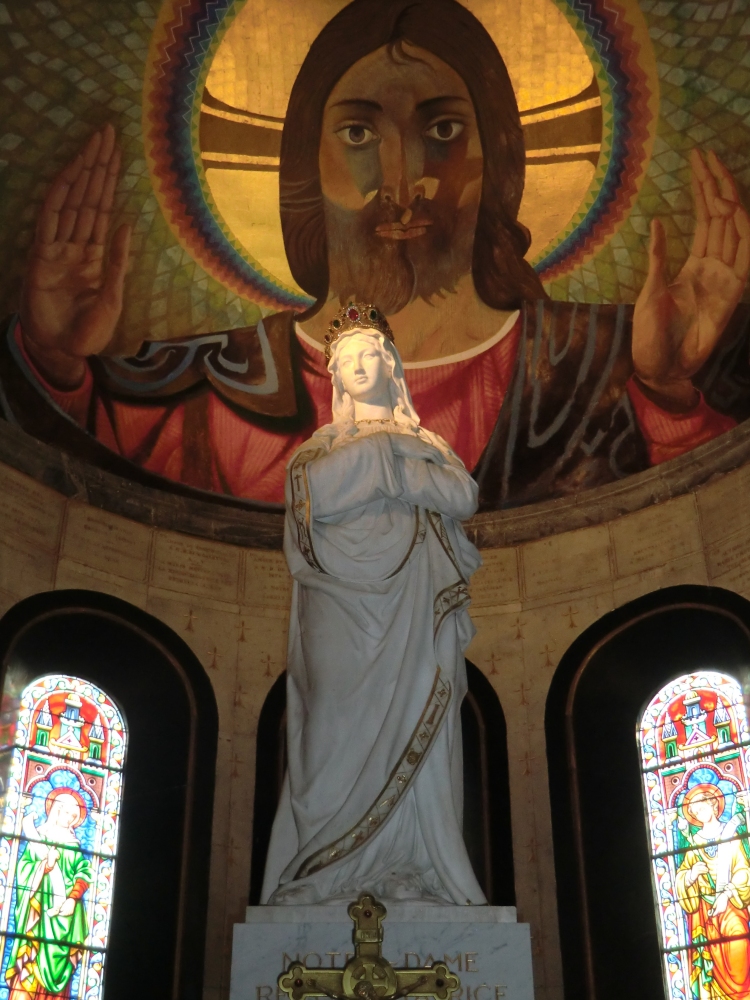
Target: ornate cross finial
368	976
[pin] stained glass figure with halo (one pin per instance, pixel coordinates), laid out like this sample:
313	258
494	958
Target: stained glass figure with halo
695	755
59	839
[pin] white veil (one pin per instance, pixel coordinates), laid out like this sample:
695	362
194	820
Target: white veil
344	429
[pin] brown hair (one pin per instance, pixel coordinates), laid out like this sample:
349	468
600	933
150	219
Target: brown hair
449	31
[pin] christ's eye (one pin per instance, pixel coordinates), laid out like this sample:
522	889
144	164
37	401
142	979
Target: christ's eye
356	135
445	130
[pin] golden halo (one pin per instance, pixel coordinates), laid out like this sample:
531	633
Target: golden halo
258	59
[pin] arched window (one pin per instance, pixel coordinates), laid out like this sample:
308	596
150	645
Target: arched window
615	680
76	667
695	758
62	785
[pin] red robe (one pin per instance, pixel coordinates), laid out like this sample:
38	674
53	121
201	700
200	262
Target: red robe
458	399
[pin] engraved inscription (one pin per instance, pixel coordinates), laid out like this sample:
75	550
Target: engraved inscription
459	961
192	566
577	558
29	510
496	581
657	536
729	562
268	583
106	542
723	507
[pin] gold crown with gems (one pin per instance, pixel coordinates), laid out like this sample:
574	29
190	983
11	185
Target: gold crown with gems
356	316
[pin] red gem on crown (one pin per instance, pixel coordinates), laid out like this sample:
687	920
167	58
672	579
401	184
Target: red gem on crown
356	316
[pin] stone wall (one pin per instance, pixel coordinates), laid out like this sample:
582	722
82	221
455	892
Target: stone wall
230	604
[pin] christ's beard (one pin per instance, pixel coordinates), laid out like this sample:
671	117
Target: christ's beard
391	273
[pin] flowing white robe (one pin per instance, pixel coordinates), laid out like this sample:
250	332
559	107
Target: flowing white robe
372	799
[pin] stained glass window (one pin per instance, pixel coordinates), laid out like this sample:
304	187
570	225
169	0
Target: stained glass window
63	751
695	755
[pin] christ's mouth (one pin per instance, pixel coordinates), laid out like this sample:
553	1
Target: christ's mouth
403	231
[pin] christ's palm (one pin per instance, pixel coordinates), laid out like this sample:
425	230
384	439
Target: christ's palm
71	302
677	325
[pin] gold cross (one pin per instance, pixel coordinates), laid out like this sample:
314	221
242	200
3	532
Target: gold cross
368	976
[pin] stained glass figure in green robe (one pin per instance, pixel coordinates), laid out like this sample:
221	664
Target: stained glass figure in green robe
52	876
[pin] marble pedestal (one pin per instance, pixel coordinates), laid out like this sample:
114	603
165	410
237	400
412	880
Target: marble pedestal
484	945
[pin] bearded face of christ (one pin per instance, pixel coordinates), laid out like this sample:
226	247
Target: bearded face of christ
402	161
401	177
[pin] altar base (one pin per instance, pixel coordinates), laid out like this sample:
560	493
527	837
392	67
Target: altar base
483	945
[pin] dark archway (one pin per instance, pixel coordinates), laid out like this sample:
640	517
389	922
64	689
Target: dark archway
487	827
604	888
157	937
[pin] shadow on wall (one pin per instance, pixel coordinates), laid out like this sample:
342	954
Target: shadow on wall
487	829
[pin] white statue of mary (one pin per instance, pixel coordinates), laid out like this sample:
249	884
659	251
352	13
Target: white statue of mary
372	800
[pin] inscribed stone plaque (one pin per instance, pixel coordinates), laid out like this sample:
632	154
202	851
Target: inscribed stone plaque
724	506
71	575
106	542
268	583
489	951
656	536
25	569
496	581
29	510
191	566
565	563
729	562
690	569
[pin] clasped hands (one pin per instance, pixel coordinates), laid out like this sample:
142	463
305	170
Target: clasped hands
409	446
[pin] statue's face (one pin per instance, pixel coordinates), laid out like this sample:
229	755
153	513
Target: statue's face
64	812
363	370
401	174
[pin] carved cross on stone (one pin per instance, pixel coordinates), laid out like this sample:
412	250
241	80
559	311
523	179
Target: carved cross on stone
368	976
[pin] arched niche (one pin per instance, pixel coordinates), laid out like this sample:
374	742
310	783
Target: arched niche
487	828
157	935
609	934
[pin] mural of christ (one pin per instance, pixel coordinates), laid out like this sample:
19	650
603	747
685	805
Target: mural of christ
402	170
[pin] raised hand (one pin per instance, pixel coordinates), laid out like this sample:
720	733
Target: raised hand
677	325
71	299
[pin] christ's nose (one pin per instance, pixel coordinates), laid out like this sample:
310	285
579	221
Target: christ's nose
401	168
